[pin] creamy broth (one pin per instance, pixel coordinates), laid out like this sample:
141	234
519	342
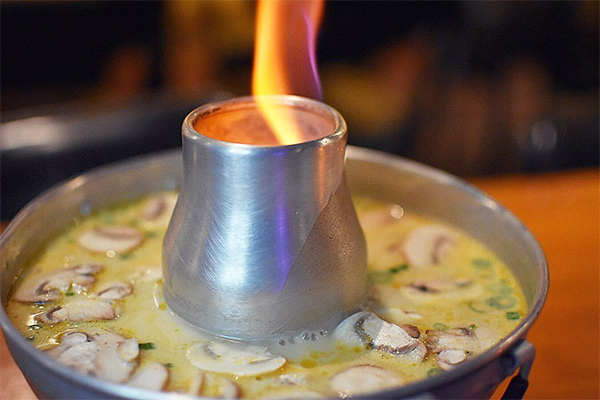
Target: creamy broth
443	287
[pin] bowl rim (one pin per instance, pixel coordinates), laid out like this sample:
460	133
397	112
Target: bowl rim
354	153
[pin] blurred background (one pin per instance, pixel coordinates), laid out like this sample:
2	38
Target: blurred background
474	88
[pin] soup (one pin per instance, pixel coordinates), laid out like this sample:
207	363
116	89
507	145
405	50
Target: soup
92	299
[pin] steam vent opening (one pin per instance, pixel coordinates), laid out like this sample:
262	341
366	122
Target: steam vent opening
245	123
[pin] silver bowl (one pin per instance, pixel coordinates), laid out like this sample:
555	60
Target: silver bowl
417	188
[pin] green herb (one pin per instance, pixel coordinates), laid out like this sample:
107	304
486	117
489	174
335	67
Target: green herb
150	234
481	263
398	268
476	306
501	288
502	302
434	371
169	365
69	293
35	327
472	327
440	327
513	315
147	346
125	256
378	277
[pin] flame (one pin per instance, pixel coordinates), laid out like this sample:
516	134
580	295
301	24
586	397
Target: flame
285	60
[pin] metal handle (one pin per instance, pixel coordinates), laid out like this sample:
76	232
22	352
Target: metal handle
521	357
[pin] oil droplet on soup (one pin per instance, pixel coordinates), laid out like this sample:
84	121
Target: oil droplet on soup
437	298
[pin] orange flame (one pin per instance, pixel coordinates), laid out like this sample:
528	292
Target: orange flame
284	60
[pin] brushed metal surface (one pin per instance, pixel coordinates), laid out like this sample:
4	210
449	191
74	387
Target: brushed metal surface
368	172
264	240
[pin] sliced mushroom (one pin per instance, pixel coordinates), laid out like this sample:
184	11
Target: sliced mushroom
449	344
447	359
113	363
97	354
442	289
233	358
196	383
428	245
157	210
119	239
454	338
77	350
48	287
363	379
116	291
369	330
79	311
399	316
229	389
152	376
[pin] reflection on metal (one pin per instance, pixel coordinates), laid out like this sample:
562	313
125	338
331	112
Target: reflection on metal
264	240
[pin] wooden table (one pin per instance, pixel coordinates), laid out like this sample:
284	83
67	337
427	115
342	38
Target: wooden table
562	211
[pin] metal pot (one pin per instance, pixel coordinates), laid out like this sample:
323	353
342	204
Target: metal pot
417	188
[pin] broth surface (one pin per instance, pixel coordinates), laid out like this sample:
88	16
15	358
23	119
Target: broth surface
422	274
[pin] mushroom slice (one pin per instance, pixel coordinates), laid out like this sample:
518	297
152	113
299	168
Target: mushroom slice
79	311
363	379
399	316
116	291
77	350
428	245
233	358
229	389
157	210
447	359
152	376
471	341
368	329
119	239
117	357
97	354
47	287
196	383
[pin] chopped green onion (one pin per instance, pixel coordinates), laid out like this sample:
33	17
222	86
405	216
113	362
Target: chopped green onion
147	346
434	371
513	315
476	306
125	256
501	288
440	327
472	327
481	263
169	365
398	268
69	293
378	277
502	302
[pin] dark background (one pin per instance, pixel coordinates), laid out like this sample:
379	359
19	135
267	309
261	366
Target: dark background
470	87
